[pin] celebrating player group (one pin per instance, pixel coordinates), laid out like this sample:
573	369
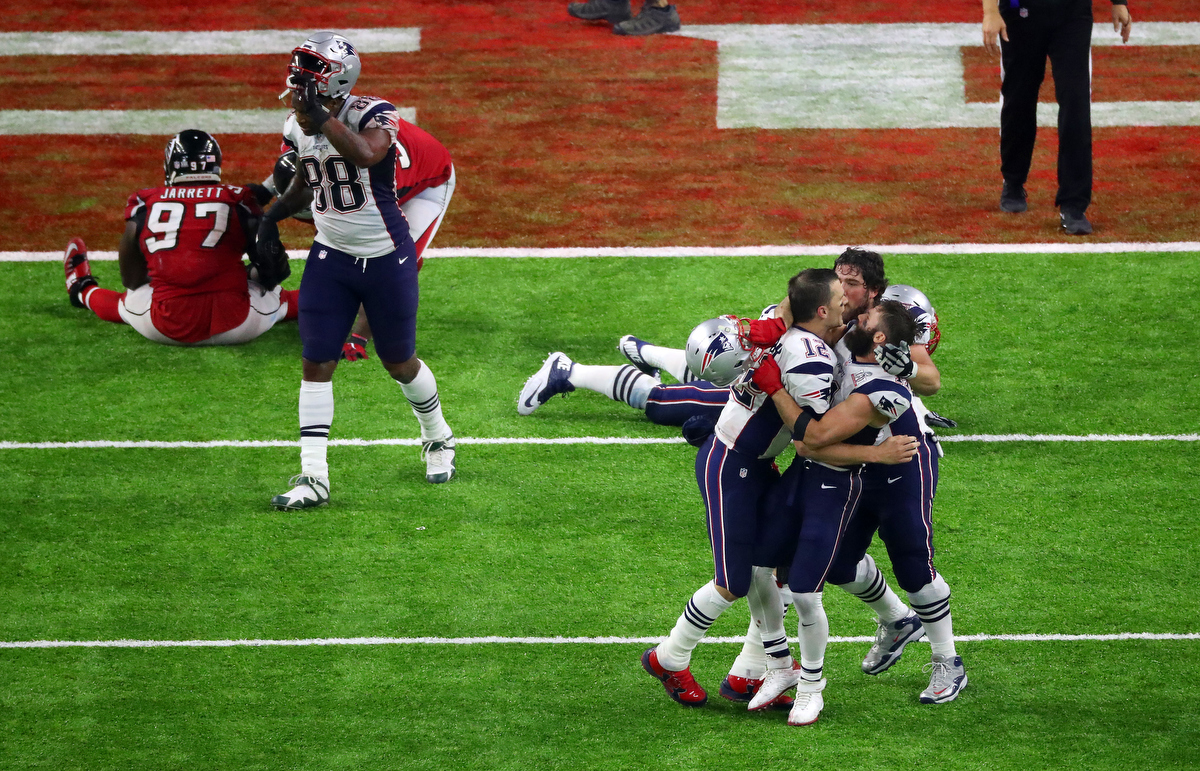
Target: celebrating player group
837	369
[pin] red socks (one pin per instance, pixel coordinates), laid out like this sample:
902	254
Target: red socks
103	303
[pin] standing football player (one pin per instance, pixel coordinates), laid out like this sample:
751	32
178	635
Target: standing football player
181	258
873	405
348	149
425	182
735	473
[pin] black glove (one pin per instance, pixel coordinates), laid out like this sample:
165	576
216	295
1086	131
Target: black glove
261	193
308	101
938	421
271	259
896	360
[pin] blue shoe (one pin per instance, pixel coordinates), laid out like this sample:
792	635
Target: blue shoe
890	640
631	348
552	379
742	690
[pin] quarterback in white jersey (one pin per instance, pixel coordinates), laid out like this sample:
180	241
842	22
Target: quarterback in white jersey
363	255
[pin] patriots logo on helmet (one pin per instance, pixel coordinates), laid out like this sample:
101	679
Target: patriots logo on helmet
345	47
719	345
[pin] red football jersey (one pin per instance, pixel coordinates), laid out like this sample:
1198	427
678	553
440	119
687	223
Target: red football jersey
193	242
422	163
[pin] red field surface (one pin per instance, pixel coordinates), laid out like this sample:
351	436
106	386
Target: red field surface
565	135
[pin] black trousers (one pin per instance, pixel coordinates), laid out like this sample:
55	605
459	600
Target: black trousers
1062	31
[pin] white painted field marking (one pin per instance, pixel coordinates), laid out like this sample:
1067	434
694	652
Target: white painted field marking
243	42
1123	636
168	122
104	444
876	76
792	250
151	122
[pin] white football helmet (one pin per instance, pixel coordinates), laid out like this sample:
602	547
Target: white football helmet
330	60
716	352
910	298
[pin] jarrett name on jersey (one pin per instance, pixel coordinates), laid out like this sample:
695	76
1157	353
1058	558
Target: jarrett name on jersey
750	423
354	214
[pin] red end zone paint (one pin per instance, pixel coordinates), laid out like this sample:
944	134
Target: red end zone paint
564	135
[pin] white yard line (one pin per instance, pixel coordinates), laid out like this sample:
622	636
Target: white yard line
105	444
226	43
1123	636
791	250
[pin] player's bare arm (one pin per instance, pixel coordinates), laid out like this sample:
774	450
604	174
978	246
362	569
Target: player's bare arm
363	149
927	380
133	264
892	451
297	197
843	421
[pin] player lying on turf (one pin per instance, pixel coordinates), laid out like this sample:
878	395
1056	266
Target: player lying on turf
181	258
696	403
735	472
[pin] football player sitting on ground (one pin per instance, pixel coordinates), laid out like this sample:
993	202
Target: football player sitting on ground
363	254
181	258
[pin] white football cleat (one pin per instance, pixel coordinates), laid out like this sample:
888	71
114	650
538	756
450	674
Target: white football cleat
307	492
774	684
439	460
808	704
947	677
552	379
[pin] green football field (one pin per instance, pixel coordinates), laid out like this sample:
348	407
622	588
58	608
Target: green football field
583	540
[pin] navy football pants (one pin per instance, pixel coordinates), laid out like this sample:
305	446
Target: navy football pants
333	286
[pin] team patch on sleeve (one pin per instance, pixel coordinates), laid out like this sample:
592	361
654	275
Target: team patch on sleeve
889	403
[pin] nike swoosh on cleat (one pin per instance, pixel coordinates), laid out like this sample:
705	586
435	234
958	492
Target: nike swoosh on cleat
529	401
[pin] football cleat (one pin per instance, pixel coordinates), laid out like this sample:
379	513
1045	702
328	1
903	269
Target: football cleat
552	379
890	640
631	348
78	271
776	682
681	686
742	690
438	455
947	677
809	703
306	493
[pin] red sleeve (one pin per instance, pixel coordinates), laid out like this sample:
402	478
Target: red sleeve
136	201
428	162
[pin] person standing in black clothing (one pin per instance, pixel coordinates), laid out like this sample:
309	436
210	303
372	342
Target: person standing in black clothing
1024	33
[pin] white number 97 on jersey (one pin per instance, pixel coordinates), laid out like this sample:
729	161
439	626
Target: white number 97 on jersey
166	218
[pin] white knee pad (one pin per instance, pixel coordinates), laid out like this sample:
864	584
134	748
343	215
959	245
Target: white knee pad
809	606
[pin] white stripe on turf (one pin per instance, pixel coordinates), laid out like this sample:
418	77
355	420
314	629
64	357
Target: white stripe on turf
793	250
226	43
155	445
551	640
